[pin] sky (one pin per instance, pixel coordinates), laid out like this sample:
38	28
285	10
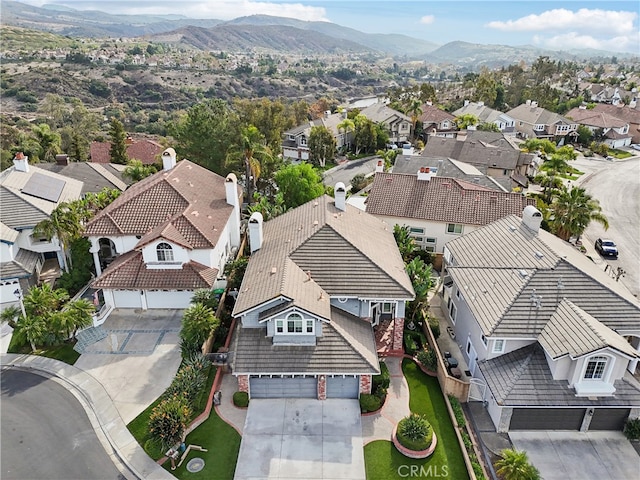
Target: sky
557	25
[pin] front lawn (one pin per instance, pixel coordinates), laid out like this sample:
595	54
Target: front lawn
63	352
384	462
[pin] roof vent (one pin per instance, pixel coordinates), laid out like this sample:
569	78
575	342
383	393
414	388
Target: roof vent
539	254
523	273
274	270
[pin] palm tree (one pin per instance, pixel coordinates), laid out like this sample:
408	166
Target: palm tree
414	110
42	301
63	223
9	315
252	150
572	211
420	274
198	323
346	126
136	170
33	328
549	184
514	465
81	314
49	142
556	165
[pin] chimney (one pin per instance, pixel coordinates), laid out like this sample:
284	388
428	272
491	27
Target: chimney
168	159
481	104
425	173
129	141
62	159
440	163
466	103
380	166
327	113
340	193
231	191
344	114
534	104
532	218
528	103
21	162
255	231
407	149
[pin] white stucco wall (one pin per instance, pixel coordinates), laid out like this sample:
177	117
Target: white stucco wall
150	256
25	241
7	252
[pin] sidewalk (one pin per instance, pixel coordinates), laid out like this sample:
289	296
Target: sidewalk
227	411
379	425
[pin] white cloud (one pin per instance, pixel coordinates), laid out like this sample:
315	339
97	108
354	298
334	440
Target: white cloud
589	21
427	19
573	40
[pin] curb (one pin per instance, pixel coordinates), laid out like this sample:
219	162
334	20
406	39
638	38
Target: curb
125	452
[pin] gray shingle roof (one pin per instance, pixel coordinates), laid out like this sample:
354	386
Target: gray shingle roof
94	176
522	379
22	266
347	346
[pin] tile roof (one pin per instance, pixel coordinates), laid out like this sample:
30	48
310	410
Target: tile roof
189	197
522	379
347	346
432	114
535	115
441	199
93	176
8	234
147	151
346	251
22	266
129	272
595	118
379	112
625	113
479	110
572	331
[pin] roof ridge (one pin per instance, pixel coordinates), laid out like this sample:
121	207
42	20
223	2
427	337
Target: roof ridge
514	298
521	369
341	332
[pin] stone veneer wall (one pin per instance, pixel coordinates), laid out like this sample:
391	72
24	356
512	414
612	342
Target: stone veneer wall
322	387
365	384
243	383
398	332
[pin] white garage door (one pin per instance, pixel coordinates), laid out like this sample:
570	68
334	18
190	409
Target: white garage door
127	299
287	387
168	299
343	387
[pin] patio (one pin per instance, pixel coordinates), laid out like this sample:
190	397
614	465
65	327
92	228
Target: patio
446	342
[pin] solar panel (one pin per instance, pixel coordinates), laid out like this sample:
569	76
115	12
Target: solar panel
44	187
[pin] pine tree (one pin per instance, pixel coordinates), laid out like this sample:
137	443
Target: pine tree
118	151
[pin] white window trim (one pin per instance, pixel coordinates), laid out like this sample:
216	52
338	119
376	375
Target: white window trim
167	252
485	342
453	312
387	307
284	324
608	363
499	341
453	230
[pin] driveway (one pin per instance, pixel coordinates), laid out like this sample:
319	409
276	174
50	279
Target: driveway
301	439
347	170
134	355
579	456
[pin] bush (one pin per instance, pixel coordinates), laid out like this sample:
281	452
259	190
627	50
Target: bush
190	378
429	359
632	429
168	421
410	344
369	403
414	432
381	382
241	399
457	410
434	325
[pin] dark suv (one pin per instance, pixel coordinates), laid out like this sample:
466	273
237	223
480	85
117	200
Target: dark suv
606	248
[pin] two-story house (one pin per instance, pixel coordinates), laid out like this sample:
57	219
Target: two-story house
485	114
322	281
624	113
295	141
533	121
615	132
551	340
437	123
397	124
28	195
166	236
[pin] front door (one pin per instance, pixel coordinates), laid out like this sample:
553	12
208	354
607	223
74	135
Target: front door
472	356
375	314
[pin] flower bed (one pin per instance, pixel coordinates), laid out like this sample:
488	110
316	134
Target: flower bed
413	453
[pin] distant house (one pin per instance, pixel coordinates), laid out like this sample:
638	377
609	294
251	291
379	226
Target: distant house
166	236
295	141
550	339
484	114
28	195
145	150
533	121
436	122
614	130
626	114
398	125
323	294
438	209
94	176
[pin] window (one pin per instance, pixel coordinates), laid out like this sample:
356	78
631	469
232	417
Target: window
431	240
453	312
418	239
387	307
430	248
416	230
165	252
498	346
309	326
454	228
294	323
484	340
595	368
279	326
457	293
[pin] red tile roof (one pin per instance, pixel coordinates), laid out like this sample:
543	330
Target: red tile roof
441	199
129	272
147	151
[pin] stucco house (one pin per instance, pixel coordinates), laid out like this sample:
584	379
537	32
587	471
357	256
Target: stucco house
551	341
436	122
295	141
533	121
324	284
166	236
398	125
28	195
614	130
485	114
624	113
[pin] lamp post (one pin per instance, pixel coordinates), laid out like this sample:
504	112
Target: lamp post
18	294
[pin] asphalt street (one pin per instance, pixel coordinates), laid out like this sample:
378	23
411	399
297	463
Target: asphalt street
617	186
346	171
46	434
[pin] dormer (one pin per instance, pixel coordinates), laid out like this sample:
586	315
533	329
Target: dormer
163	254
292	326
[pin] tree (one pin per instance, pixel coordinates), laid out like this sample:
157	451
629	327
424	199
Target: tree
466	120
584	135
365	134
64	223
572	211
251	152
346	126
486	88
54	110
136	170
514	465
299	184
549	184
420	274
33	329
404	240
9	315
168	421
80	313
198	323
322	145
42	301
414	110
48	141
388	157
268	208
488	127
118	150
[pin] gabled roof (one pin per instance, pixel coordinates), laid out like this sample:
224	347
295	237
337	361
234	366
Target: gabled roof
94	176
625	113
22	266
380	112
129	272
482	112
594	118
189	197
441	199
145	150
535	115
345	251
432	114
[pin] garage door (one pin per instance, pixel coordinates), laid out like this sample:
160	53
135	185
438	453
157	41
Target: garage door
168	299
343	387
287	387
609	418
127	299
547	418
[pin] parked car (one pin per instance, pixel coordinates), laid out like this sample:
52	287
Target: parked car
606	248
635	146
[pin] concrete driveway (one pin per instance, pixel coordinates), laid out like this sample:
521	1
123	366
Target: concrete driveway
579	456
301	439
134	355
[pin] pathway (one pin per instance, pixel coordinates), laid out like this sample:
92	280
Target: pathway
227	411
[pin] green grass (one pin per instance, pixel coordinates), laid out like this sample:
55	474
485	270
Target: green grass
65	353
384	462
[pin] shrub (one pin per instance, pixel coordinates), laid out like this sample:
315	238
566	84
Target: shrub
514	465
381	382
429	359
410	344
434	325
168	421
190	378
414	432
241	399
632	429
369	402
457	410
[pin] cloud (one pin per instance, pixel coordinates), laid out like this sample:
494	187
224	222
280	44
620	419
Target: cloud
573	40
427	19
592	22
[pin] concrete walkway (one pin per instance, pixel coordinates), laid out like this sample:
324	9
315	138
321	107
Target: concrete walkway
227	411
379	425
127	455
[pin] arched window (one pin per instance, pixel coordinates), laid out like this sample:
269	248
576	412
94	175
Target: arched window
294	323
596	368
165	252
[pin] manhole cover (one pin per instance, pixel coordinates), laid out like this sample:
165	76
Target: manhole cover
195	465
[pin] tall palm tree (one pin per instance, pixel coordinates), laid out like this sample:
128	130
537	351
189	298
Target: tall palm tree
9	315
414	110
556	164
346	126
549	184
64	223
81	313
572	211
33	328
42	301
514	465
252	150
